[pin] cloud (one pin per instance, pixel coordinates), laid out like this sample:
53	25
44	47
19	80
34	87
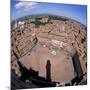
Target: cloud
25	5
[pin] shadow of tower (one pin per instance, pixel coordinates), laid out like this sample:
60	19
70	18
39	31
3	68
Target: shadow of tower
48	70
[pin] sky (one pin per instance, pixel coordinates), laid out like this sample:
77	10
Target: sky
25	8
